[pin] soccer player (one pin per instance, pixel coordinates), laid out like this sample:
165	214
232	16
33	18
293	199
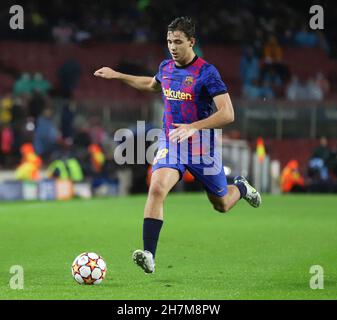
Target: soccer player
189	85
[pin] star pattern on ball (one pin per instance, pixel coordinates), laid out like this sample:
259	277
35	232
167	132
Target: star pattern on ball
92	264
88	280
76	268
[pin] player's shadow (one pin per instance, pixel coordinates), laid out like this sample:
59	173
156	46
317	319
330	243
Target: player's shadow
167	282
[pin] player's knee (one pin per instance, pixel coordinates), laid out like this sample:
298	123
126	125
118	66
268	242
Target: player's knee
157	190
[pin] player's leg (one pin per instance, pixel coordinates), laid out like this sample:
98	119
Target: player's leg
162	181
223	196
240	189
226	202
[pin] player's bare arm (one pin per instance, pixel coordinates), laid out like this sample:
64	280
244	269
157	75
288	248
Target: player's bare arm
223	116
138	82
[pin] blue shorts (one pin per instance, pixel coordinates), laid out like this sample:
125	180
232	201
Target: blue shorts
205	166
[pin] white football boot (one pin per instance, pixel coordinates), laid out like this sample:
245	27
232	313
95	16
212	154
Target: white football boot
252	196
144	259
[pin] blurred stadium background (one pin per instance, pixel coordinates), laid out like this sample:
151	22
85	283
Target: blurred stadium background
281	75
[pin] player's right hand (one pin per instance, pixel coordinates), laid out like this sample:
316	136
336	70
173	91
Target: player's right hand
106	73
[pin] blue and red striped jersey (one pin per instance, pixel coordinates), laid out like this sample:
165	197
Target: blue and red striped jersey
188	90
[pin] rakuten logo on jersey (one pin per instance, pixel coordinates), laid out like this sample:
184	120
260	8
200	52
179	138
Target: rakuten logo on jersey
176	95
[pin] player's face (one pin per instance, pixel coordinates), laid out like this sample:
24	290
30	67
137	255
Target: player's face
179	46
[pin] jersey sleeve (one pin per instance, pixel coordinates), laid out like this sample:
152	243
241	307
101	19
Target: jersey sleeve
158	76
213	82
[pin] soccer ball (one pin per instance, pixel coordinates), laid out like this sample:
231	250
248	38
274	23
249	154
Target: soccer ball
88	268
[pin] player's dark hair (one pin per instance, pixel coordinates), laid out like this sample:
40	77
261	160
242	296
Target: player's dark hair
184	24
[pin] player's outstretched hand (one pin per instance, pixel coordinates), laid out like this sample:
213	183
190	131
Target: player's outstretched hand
106	73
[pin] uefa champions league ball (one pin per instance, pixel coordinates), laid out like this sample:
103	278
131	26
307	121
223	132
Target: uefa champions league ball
88	268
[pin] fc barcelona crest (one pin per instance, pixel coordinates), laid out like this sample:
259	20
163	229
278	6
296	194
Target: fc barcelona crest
188	81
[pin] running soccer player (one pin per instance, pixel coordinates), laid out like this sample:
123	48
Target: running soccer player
189	85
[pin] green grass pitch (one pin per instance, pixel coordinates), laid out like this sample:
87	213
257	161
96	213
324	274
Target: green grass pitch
249	253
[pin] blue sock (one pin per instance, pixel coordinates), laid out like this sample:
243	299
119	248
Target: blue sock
242	188
151	230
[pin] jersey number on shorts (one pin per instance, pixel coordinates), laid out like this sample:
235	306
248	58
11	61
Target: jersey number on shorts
160	155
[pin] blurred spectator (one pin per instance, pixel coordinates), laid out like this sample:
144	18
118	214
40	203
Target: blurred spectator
322	151
323	83
255	91
6	142
82	138
271	79
249	66
295	90
252	91
62	33
318	168
36	105
29	168
273	60
82	36
267	91
6	132
39	84
305	38
97	158
313	90
291	179
273	53
65	168
37	19
97	132
81	144
46	134
6	108
19	116
69	75
23	86
67	119
307	91
6	139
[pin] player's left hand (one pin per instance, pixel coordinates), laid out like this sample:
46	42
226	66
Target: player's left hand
182	132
